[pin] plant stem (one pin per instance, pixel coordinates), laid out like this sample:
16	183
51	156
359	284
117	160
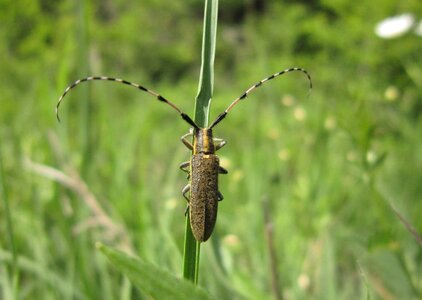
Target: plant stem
202	105
9	230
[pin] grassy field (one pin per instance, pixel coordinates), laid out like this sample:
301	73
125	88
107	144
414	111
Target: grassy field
323	196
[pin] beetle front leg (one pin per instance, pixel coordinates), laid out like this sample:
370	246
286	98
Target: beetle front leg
185	141
219	143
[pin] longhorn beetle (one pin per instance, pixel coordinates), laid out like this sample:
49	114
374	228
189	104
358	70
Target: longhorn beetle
204	166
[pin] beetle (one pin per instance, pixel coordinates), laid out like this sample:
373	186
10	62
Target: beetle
204	167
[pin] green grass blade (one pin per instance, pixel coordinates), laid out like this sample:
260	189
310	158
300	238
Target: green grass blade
206	79
83	68
153	281
35	269
202	105
9	228
191	254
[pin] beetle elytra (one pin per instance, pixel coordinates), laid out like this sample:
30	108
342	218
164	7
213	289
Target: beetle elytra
204	166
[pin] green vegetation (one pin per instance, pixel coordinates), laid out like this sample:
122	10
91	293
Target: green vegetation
322	194
191	250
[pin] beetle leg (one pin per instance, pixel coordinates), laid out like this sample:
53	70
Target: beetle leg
185	190
219	143
185	167
220	196
185	141
221	170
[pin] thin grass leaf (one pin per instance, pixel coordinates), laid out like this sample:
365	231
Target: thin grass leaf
202	106
206	79
387	275
153	281
86	121
43	275
409	227
9	229
365	281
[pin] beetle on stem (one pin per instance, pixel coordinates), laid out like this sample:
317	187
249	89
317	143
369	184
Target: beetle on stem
204	167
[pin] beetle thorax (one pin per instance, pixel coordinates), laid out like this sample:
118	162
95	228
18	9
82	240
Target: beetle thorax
203	141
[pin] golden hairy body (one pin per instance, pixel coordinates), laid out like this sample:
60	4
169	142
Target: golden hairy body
203	169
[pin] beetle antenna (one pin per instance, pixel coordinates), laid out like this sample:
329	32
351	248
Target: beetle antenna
256	85
135	85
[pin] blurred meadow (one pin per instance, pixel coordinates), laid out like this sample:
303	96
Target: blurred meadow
323	196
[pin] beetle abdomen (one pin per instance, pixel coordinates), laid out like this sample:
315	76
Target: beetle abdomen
203	195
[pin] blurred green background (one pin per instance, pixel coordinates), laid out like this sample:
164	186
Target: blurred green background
312	179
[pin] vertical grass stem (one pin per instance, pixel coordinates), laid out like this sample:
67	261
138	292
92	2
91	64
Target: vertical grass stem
202	105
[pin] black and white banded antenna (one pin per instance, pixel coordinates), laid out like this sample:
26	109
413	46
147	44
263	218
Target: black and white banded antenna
246	93
135	85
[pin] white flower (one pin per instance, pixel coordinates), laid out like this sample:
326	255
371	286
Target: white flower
394	26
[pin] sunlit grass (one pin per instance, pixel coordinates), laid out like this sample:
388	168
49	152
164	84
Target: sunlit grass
316	160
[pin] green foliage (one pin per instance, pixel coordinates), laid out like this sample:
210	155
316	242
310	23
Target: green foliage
154	281
191	252
331	165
